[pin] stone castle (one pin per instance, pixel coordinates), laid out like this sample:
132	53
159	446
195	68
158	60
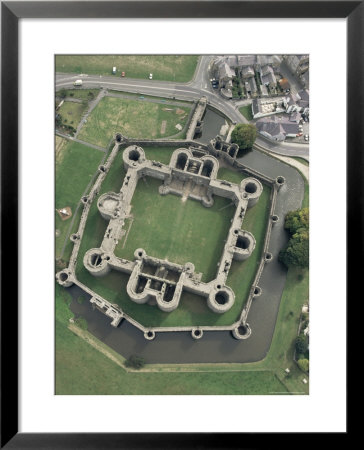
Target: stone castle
191	173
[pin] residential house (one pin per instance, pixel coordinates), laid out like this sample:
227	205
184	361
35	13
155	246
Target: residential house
297	64
267	76
265	107
226	75
303	98
251	86
305	78
277	129
247	72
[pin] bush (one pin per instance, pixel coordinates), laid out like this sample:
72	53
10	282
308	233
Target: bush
303	364
135	361
301	344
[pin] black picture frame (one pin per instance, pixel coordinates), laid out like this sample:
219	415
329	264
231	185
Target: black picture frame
11	12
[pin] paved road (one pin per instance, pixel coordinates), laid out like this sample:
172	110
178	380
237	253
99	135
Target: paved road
198	87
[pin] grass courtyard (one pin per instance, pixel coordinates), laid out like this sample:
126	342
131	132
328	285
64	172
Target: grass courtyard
179	68
182	232
132	118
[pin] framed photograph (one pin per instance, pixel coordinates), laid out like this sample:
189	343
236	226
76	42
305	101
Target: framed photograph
139	119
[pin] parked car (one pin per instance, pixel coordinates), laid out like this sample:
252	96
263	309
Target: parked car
215	83
150	76
306	137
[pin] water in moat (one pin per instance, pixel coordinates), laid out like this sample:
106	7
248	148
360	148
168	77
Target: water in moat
180	347
213	124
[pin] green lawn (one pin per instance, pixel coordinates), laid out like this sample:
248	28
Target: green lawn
164	67
132	118
76	164
246	111
71	113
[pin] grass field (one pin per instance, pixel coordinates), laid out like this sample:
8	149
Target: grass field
246	111
133	119
75	166
71	113
180	232
164	67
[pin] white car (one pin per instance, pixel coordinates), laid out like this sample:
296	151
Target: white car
150	76
306	137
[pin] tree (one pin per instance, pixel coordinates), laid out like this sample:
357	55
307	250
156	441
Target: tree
301	344
296	253
297	220
135	361
303	364
297	250
244	134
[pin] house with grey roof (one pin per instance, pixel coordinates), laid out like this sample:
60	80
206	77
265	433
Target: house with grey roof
272	60
226	73
246	60
295	117
297	64
251	86
267	76
305	78
303	98
247	72
277	129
